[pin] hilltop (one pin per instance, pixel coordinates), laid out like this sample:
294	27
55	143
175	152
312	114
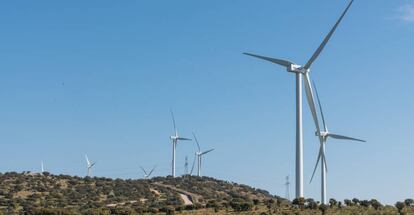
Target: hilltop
29	192
32	193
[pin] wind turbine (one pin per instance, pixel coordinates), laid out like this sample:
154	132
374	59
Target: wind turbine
199	154
324	135
42	167
89	165
147	175
175	138
303	71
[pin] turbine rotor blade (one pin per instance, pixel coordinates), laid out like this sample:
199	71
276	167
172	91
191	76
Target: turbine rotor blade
93	164
206	152
87	160
320	107
145	172
325	41
173	119
317	162
324	161
281	62
151	171
198	145
341	137
309	97
182	138
192	168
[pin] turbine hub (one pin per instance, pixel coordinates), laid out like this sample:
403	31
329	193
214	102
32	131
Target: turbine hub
297	69
322	134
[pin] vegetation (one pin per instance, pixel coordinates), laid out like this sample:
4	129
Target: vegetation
32	194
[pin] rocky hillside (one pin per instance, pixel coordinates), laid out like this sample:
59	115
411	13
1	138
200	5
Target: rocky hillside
29	192
37	194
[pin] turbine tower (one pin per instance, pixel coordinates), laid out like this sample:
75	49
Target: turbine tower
200	154
175	138
147	175
89	166
323	137
300	72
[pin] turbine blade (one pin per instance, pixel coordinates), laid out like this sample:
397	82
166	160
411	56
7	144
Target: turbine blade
198	145
281	62
341	137
192	168
325	41
93	164
87	160
309	97
182	138
206	152
320	107
145	172
151	171
317	162
173	119
324	161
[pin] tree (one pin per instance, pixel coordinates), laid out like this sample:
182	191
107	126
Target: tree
409	202
348	202
400	206
376	204
300	202
323	208
355	201
311	203
332	202
365	203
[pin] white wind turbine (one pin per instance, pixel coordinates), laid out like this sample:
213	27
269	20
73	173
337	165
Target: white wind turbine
147	175
42	167
303	71
175	138
89	165
199	155
324	135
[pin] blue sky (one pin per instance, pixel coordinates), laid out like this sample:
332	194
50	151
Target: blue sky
99	77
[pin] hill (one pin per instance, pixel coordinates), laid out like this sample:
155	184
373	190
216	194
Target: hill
31	193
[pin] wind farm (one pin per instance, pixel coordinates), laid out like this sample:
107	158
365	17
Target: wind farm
182	108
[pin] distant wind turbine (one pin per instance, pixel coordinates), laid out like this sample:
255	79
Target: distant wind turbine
301	71
200	154
324	135
42	167
175	138
147	175
89	166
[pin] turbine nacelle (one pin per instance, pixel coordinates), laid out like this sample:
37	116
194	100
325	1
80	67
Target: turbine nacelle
322	134
297	69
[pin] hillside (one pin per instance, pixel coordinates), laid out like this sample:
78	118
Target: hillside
28	193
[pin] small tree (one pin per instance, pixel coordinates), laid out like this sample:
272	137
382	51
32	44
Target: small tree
400	206
332	202
355	201
300	202
323	208
409	202
348	202
311	203
365	203
375	204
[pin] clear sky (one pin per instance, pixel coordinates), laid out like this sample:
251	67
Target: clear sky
99	77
